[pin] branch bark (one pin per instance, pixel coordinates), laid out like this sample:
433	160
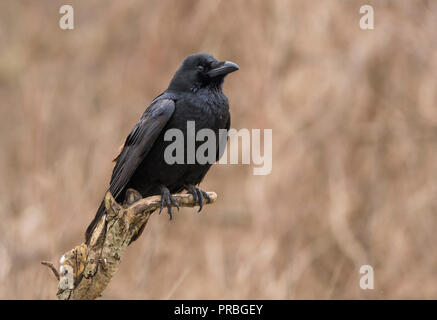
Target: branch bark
86	270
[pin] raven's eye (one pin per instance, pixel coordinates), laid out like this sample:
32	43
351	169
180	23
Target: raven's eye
200	68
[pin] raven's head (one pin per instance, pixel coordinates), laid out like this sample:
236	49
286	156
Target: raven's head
201	70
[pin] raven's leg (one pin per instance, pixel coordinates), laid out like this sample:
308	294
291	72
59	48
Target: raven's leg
167	200
198	195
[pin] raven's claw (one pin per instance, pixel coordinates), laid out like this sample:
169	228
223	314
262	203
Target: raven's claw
198	195
167	200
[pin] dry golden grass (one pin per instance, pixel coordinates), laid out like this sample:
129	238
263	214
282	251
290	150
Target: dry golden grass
354	119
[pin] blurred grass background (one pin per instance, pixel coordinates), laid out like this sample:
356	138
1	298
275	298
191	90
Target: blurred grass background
354	121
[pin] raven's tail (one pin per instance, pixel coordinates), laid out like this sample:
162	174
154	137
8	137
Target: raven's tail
89	231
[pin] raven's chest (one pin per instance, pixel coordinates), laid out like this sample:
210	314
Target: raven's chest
204	111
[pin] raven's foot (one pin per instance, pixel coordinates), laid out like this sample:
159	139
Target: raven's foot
198	195
167	200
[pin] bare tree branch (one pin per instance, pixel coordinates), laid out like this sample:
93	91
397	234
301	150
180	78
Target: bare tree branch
52	267
86	270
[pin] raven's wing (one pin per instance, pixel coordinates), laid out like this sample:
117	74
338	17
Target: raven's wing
139	142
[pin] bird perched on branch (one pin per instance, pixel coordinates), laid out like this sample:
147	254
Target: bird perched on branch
194	94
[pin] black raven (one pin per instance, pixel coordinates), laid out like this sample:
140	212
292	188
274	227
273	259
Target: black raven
194	94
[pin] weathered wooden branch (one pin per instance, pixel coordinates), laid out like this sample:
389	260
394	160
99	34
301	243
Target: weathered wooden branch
86	270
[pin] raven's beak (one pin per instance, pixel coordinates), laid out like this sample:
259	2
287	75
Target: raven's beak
222	68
